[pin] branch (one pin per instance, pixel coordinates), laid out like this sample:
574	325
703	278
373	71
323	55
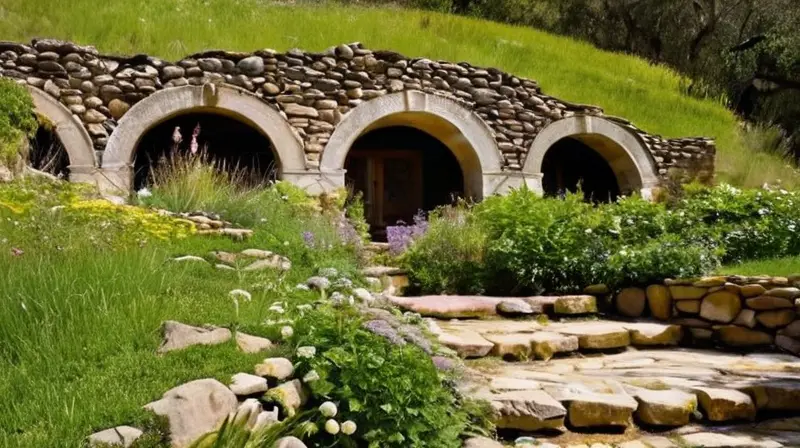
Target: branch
748	44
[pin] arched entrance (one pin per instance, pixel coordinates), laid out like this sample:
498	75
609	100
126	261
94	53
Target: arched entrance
238	108
62	130
571	166
401	171
606	159
232	145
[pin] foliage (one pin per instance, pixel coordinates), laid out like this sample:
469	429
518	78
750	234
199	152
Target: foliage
522	243
83	301
393	393
451	231
17	120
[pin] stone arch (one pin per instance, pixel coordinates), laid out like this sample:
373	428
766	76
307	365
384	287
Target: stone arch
625	152
117	166
71	133
464	133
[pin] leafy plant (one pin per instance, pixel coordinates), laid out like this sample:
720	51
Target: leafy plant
392	392
17	120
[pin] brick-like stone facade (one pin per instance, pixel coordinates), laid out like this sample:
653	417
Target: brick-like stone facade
313	91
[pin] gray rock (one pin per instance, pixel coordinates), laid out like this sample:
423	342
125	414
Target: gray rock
119	436
514	307
482	442
194	409
243	384
278	368
178	336
251	344
252	66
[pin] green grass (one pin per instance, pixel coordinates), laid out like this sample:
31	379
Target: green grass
775	267
625	86
83	303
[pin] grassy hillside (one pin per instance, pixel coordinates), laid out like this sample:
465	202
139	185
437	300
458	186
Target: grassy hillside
623	85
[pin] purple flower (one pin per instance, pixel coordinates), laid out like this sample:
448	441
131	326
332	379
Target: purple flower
383	329
401	236
308	238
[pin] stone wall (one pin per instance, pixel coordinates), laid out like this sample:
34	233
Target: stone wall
313	91
734	311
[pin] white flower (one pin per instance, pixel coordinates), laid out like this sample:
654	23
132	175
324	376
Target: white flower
307	352
287	332
304	307
311	376
588	231
144	193
332	427
328	409
349	428
302	287
277	309
240	293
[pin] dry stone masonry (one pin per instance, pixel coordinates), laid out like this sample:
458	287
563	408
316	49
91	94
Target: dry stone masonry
315	92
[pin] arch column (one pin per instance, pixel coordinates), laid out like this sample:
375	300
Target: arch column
117	166
625	152
70	131
472	143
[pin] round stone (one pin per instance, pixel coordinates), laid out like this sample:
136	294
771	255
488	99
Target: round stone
118	108
252	66
721	306
660	301
631	302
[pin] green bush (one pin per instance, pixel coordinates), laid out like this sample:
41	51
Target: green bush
17	121
393	393
450	258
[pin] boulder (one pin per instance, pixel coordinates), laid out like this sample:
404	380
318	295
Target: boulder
721	306
631	302
514	308
504	384
681	292
278	368
178	336
572	305
775	318
289	396
746	318
194	409
119	436
665	407
289	442
688	306
243	384
545	344
722	405
736	336
786	293
252	344
541	304
753	290
654	334
276	262
763	303
481	442
718	440
528	410
659	301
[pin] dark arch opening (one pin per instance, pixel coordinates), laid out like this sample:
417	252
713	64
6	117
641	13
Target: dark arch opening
570	165
401	171
47	153
231	144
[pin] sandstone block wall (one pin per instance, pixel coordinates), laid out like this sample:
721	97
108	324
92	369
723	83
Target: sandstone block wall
313	91
735	311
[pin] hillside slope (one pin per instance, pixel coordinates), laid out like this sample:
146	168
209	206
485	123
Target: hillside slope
625	86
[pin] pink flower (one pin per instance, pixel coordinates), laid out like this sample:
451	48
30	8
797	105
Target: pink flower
16	251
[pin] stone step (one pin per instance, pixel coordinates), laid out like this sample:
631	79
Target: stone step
465	307
664	388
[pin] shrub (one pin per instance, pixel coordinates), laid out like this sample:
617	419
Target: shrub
392	392
17	121
450	257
